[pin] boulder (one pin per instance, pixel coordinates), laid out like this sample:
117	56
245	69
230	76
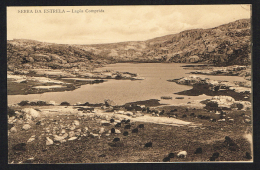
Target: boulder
117	131
49	141
19	122
30	113
104	123
26	127
102	130
76	122
182	154
71	134
58	138
32	138
13	130
72	138
109	103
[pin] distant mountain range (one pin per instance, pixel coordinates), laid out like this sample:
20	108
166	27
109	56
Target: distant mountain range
227	44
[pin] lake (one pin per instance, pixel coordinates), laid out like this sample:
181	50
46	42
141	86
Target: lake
153	86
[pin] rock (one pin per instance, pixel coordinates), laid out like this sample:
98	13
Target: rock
63	131
93	135
121	112
182	154
26	127
49	141
73	127
231	120
171	155
102	130
52	103
59	138
117	131
109	103
65	135
19	122
112	120
221	120
20	147
247	121
71	134
32	138
76	122
30	113
13	130
72	138
80	114
198	150
149	144
78	132
104	123
103	155
85	129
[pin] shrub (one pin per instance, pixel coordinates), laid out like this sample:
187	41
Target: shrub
65	104
23	103
10	112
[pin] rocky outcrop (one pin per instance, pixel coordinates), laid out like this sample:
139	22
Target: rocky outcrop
227	44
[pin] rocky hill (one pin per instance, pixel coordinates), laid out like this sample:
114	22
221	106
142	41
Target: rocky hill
227	44
26	54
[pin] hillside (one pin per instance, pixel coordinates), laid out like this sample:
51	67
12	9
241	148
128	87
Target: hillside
227	44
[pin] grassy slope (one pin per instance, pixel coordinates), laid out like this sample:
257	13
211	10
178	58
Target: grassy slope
165	139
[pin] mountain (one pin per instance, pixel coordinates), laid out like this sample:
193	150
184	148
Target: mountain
227	44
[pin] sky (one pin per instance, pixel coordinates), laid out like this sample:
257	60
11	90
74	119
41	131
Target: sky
115	23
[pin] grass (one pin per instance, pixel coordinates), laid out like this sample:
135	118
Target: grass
210	137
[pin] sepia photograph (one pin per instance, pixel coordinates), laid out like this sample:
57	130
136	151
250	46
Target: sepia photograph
129	84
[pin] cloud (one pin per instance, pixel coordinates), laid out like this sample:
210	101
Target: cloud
118	23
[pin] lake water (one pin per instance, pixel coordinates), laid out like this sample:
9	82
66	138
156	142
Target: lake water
154	86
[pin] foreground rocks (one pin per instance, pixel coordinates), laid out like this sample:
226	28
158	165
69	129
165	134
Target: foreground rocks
61	126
